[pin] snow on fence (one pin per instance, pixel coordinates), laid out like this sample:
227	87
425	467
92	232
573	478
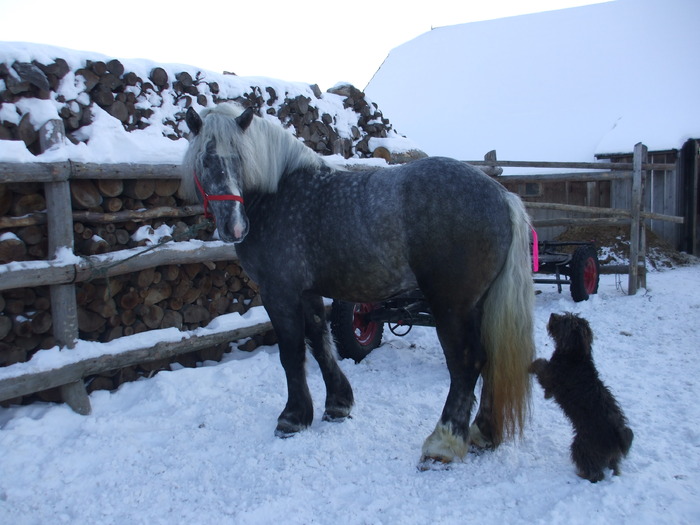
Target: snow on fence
65	269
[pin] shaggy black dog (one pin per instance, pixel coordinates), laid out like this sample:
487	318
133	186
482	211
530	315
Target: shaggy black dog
601	435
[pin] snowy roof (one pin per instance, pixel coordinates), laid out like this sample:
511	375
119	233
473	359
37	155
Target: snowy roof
559	86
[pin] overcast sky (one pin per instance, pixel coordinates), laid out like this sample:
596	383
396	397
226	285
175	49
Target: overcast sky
299	40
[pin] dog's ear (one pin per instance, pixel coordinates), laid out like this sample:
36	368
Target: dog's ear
584	334
555	328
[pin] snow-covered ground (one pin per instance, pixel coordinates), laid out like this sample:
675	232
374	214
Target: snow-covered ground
197	445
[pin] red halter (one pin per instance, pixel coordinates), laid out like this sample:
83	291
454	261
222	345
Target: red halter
208	197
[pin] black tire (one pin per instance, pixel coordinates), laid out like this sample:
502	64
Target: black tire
584	273
355	337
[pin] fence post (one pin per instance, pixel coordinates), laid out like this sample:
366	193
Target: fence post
64	308
636	225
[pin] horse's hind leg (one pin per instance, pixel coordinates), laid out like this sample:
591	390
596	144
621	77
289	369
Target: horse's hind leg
339	397
460	337
481	431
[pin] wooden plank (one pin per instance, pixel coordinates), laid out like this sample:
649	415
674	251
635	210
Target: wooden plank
43	273
569	221
91	170
34	171
138	215
104	218
57	171
613	166
29	383
565	177
602	211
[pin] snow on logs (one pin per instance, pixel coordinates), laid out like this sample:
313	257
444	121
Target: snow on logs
131	100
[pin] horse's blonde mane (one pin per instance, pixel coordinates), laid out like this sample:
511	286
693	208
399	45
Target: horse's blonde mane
266	151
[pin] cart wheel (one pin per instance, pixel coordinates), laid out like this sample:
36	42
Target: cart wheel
584	273
355	337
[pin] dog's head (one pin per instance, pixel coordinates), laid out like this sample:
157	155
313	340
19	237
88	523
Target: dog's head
571	333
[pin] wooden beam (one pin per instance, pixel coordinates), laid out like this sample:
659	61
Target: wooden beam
625	166
29	383
602	211
43	273
639	159
58	171
34	171
64	307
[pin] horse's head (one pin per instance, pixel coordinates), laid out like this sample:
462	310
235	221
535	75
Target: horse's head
216	171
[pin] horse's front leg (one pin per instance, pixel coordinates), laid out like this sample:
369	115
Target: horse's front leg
339	396
460	339
287	318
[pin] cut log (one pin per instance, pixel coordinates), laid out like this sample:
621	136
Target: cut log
170	272
122	236
129	301
113	204
172	319
31	235
152	316
85	194
115	67
145	278
27	204
128	317
195	314
105	309
110	187
41	323
166	187
90	321
5	327
159	292
12	250
139	189
51	134
159	77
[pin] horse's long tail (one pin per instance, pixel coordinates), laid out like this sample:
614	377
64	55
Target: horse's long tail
507	330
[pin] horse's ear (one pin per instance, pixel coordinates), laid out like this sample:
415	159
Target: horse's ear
193	120
245	119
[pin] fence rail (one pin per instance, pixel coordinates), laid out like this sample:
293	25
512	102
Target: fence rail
61	276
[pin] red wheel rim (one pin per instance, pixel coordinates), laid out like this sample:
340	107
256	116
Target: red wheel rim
364	331
590	275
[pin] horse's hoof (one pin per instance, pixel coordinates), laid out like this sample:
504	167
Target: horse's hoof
477	440
283	434
433	463
337	415
286	429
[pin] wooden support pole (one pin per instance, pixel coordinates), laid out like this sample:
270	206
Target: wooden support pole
64	308
636	226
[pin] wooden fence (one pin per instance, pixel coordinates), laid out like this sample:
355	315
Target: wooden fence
634	216
61	276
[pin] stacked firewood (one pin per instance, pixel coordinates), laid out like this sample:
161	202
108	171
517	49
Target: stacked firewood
131	100
184	296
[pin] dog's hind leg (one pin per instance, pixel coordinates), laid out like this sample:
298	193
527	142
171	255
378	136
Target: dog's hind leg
588	465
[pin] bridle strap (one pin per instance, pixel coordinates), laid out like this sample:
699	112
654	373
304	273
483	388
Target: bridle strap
206	197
